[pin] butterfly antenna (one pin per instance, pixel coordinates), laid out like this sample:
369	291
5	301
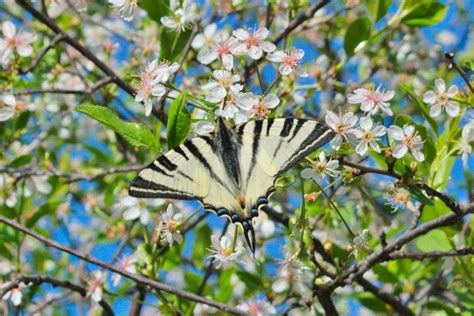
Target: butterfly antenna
335	207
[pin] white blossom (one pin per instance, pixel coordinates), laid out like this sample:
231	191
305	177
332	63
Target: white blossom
439	99
260	107
290	274
206	38
126	8
236	107
134	208
253	42
360	243
95	283
19	42
126	264
220	47
15	295
7	107
371	101
368	135
467	137
172	223
399	198
409	140
289	62
256	307
216	90
181	17
343	126
224	252
321	169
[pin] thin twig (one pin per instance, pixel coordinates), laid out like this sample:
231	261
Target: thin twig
134	277
38	279
450	57
37	60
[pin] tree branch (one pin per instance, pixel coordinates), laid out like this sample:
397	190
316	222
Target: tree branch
431	254
37	60
38	279
134	277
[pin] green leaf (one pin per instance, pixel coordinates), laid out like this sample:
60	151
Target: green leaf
22	120
179	121
357	32
44	209
371	302
424	13
377	8
136	134
21	161
156	9
285	181
172	43
469	64
435	240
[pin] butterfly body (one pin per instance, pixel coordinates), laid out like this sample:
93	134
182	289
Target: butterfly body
232	171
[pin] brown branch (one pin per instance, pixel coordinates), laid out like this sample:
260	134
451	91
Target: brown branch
144	281
38	279
37	60
383	253
431	254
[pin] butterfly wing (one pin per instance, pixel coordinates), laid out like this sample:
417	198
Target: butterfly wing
271	147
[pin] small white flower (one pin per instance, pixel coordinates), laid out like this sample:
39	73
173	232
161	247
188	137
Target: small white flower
343	126
264	225
205	38
127	264
368	134
216	90
172	223
224	252
290	274
467	137
372	101
151	80
399	199
7	107
14	42
221	47
236	105
132	209
409	140
289	62
203	127
321	169
126	8
181	17
95	283
253	42
257	308
15	295
439	100
6	267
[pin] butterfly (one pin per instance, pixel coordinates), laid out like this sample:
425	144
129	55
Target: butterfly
232	171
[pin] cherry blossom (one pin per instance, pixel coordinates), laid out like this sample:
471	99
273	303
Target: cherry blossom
439	99
126	8
399	199
236	107
253	42
172	223
216	90
126	264
222	47
133	208
289	62
151	80
343	126
14	41
181	17
203	127
290	274
409	140
467	137
95	283
7	107
206	38
259	106
372	101
15	295
224	252
258	307
321	169
368	134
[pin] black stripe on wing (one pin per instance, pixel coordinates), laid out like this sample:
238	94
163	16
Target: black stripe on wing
149	189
